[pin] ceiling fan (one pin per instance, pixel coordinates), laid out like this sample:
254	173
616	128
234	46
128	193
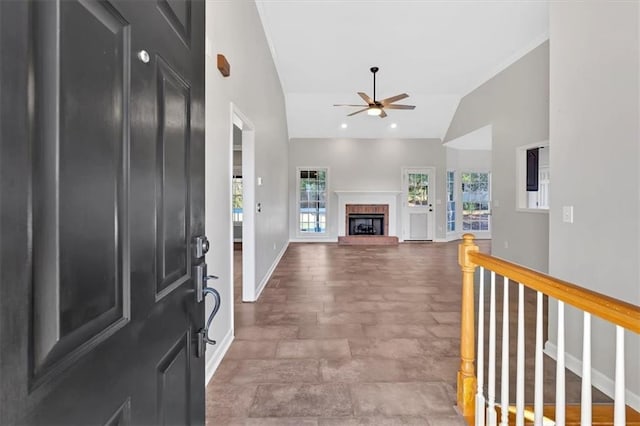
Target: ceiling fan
375	107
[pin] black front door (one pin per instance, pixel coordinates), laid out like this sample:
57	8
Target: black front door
101	195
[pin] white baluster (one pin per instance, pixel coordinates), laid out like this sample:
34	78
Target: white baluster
491	391
538	403
520	360
619	416
560	395
585	402
480	403
504	387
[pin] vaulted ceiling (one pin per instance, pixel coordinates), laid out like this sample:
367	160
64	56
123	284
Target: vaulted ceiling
436	51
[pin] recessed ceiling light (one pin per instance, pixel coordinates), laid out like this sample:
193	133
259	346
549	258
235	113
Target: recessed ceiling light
394	125
344	125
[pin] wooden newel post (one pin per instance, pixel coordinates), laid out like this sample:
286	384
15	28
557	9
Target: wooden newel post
466	374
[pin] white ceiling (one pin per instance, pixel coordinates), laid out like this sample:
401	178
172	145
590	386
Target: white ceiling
436	51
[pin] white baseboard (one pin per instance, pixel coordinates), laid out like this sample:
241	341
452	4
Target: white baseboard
267	276
214	362
314	240
447	239
598	379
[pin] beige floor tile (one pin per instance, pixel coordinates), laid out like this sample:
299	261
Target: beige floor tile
362	370
276	371
347	318
397	399
249	349
302	400
389	331
386	348
226	400
272	332
307	348
330	331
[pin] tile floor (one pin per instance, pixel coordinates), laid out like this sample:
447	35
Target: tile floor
346	335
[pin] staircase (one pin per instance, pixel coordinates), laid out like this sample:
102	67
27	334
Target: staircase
479	382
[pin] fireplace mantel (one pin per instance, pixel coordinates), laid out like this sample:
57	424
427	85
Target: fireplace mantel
369	197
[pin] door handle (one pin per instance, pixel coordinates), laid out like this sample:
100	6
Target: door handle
216	307
201	278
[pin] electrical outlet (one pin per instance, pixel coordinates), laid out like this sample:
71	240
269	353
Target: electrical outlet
274	246
506	244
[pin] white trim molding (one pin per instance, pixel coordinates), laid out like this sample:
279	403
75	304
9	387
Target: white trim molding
267	276
214	362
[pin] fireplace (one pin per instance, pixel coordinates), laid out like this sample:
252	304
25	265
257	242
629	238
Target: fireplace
366	224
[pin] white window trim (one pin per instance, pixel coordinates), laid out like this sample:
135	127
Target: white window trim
461	230
456	191
521	178
312	235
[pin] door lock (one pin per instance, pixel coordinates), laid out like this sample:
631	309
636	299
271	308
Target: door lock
200	246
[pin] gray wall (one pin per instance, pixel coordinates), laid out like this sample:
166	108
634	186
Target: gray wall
235	30
595	163
516	103
366	165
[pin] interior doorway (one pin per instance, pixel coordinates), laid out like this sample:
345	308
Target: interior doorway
242	202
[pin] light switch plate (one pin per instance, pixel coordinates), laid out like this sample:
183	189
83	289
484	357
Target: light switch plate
259	181
567	214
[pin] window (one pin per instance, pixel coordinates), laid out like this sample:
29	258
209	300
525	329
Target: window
312	201
451	202
533	176
418	189
236	198
475	201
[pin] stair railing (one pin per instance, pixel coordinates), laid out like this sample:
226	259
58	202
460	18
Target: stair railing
471	399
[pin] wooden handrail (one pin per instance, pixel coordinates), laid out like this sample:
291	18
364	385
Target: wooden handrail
613	310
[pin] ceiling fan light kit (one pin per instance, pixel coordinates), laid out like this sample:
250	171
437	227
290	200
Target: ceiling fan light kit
375	107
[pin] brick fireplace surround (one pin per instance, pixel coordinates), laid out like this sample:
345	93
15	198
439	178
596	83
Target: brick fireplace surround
368	239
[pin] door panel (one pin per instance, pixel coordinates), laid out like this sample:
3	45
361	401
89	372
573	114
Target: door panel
102	191
174	385
178	14
172	201
79	186
122	417
418	225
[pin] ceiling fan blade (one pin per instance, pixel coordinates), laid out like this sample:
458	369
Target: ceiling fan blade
358	112
366	98
350	105
400	106
392	99
383	114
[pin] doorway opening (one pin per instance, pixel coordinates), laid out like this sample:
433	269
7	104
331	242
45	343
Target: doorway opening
242	200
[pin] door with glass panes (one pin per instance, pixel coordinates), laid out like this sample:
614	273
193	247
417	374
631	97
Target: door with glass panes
418	204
